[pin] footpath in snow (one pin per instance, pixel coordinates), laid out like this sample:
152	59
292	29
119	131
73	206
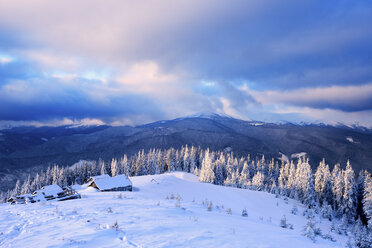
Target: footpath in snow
169	210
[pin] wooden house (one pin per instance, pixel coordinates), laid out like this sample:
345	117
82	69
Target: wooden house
48	192
118	183
21	199
97	177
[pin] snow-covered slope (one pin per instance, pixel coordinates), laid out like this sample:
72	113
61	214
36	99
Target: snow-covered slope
169	210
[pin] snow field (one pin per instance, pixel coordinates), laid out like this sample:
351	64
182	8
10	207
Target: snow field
168	210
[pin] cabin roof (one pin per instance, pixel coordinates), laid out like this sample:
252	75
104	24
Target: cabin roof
107	183
98	177
50	190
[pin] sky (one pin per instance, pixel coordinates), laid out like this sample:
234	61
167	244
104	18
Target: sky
133	62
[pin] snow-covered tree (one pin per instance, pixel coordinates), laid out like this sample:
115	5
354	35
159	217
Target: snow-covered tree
291	183
323	186
206	173
258	181
192	158
309	230
124	165
367	201
349	204
102	165
26	187
283	179
186	159
304	182
36	183
140	164
337	188
114	167
362	236
170	160
244	181
218	170
17	188
152	162
160	162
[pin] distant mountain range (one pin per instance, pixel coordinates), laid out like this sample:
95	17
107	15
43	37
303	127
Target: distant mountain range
23	148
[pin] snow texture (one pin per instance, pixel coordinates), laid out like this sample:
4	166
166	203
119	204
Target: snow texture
168	210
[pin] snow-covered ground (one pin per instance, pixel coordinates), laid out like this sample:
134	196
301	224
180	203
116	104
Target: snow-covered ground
169	210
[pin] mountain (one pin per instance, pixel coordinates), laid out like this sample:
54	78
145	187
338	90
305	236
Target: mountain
168	210
23	148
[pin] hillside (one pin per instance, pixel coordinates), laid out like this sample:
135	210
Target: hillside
24	148
169	210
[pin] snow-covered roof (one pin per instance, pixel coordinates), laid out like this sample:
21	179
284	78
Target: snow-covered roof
50	190
107	183
98	177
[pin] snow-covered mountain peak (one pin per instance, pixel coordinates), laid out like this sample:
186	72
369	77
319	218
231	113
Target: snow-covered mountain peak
207	115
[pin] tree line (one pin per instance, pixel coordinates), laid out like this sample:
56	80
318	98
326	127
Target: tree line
336	193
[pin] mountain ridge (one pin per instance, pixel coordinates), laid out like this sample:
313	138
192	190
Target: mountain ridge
22	149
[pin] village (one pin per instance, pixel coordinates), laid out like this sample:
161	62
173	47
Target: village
55	192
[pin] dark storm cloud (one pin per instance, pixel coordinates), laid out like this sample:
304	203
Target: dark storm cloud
46	99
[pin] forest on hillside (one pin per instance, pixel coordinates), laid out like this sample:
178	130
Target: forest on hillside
336	193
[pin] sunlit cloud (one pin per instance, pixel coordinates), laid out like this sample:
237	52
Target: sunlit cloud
248	59
344	98
5	59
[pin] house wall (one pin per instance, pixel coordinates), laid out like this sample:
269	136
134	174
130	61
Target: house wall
127	188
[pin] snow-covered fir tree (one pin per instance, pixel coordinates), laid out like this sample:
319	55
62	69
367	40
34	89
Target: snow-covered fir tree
114	167
258	181
337	189
367	200
323	186
349	203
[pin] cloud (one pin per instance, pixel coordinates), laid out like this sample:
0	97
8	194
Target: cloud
281	43
131	62
344	98
329	116
39	99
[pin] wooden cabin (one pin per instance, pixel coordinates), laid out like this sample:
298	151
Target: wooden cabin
118	183
21	199
48	192
97	177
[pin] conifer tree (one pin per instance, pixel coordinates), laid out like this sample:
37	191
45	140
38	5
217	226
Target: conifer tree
323	187
349	195
17	189
244	176
337	189
304	182
206	172
258	181
367	201
362	236
26	187
283	178
102	165
36	183
218	170
291	184
193	161
160	162
124	165
114	167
